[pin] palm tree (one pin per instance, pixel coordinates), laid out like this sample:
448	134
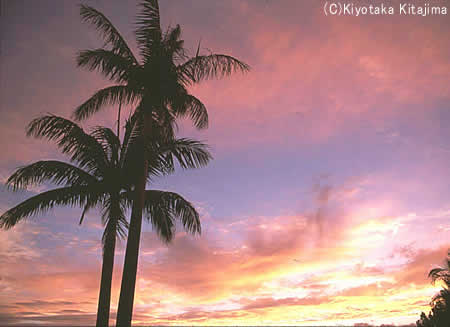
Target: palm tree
98	177
157	85
440	303
442	273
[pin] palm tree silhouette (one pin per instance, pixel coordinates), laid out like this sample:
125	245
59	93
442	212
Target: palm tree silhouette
439	315
441	301
99	177
441	273
157	87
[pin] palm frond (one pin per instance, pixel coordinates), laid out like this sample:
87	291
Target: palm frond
441	274
162	220
108	96
110	64
109	141
158	165
108	32
157	202
173	45
188	153
56	172
163	208
86	208
72	140
64	196
201	68
148	27
188	105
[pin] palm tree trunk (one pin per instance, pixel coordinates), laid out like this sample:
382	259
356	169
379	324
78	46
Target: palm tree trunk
118	120
104	299
127	289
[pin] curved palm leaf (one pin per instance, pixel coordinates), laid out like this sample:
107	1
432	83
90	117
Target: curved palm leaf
161	157
441	273
56	172
107	30
187	104
108	96
148	31
438	274
82	147
112	65
173	45
201	68
109	141
188	153
163	208
86	208
64	196
157	202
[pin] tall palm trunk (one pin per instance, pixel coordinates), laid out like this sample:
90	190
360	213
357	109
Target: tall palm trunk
118	119
104	300
127	289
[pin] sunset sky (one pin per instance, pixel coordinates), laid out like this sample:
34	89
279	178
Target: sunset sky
328	199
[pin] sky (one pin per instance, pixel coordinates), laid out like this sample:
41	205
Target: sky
327	199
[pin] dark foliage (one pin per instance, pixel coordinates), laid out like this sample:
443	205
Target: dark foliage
439	316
